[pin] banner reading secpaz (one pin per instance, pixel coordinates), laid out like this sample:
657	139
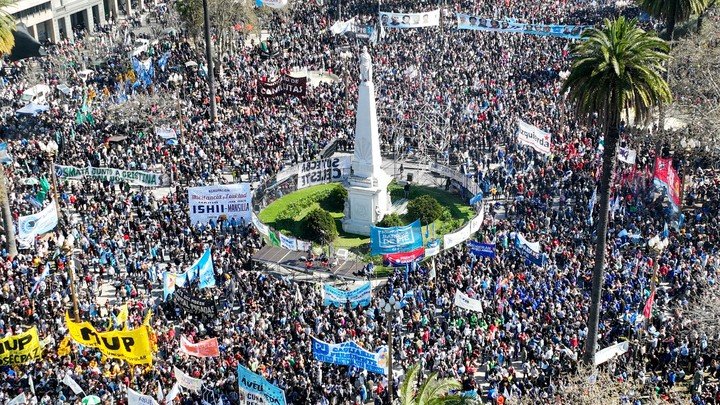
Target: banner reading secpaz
228	200
20	348
132	346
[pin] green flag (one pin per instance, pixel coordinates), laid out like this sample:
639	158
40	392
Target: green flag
274	240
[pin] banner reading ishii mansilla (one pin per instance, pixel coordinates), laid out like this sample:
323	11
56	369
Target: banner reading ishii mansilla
228	200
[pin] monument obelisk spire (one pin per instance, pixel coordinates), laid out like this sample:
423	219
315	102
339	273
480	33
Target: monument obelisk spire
368	199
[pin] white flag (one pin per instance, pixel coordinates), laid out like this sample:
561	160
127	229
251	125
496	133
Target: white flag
136	398
174	391
165	133
20	399
611	352
627	155
72	384
33	225
159	394
185	381
464	301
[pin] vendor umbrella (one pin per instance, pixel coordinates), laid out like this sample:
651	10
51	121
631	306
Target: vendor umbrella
91	400
25	45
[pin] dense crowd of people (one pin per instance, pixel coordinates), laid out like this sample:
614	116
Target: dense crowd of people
442	94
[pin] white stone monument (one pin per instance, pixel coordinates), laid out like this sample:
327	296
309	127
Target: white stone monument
368	198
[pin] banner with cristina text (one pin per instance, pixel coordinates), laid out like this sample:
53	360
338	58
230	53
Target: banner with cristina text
337	297
477	23
132	177
395	239
209	203
667	178
350	354
254	389
20	348
410	20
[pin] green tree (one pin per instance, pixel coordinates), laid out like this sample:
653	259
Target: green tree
673	11
616	66
432	391
426	208
391	220
320	226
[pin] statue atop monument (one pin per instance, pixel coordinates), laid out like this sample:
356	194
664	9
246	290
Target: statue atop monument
365	66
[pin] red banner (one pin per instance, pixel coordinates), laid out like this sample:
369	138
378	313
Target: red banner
666	177
206	348
399	259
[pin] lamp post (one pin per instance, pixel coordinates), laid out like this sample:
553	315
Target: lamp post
209	62
389	307
68	248
656	247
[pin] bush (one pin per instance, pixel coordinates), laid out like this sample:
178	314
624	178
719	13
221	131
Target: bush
425	208
335	200
391	220
320	226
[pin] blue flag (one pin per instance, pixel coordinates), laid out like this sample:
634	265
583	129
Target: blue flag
162	62
253	384
204	269
40	279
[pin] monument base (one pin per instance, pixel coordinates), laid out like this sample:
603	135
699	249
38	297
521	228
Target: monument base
368	202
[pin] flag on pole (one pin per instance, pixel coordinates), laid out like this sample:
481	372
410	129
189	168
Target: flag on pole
40	279
647	311
20	399
67	380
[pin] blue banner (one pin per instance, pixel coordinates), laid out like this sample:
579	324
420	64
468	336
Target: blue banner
252	384
350	354
205	270
478	23
530	251
337	297
481	249
395	239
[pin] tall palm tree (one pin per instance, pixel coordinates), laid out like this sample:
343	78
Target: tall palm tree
433	391
7	41
673	11
616	66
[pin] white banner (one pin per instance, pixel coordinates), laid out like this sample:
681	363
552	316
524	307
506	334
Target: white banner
534	137
136	398
185	381
464	301
410	20
627	155
454	239
165	133
534	246
341	27
288	242
262	228
274	3
18	400
323	171
33	225
611	352
67	380
132	177
229	200
476	222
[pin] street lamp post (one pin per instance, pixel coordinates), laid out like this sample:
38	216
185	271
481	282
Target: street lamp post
209	62
7	216
656	247
389	307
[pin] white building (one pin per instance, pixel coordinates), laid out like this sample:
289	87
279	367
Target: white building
55	19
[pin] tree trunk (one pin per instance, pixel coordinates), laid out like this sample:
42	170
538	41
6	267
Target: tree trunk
670	27
608	166
7	216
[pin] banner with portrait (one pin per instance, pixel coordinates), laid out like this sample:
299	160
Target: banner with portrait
21	348
534	137
508	25
132	177
350	354
410	20
283	85
395	239
133	346
323	171
221	200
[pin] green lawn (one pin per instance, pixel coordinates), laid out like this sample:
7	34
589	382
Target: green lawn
287	213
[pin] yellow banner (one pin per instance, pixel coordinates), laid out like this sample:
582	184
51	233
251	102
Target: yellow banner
20	348
132	346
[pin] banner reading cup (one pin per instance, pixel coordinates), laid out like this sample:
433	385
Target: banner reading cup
20	348
132	346
410	20
350	354
395	239
476	23
534	137
323	171
337	297
666	177
256	390
132	177
229	200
